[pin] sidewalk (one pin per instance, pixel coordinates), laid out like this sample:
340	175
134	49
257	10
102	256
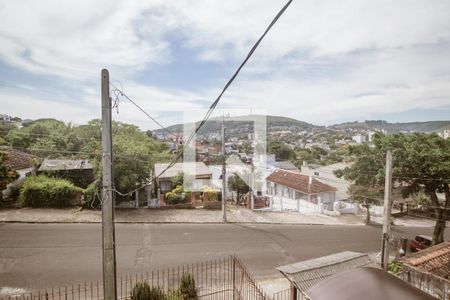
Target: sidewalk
144	215
234	215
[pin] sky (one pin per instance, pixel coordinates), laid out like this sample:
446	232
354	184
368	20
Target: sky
324	62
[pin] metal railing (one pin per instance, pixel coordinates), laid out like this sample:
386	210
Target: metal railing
221	279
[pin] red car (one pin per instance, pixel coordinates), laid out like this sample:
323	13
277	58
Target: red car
420	242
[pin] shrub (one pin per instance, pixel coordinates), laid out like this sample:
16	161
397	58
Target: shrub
41	191
173	198
188	290
176	196
142	291
213	195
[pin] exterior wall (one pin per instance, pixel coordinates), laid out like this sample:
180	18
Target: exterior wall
285	198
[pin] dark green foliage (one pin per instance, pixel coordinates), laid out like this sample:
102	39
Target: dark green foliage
134	151
188	290
142	291
281	150
421	164
41	191
7	175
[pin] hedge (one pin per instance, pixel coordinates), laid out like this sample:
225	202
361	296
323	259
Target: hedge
42	191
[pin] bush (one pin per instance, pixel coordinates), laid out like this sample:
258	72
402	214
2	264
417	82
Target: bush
142	291
188	290
41	191
176	196
213	195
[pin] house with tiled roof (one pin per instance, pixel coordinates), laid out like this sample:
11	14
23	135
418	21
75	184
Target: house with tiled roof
23	163
294	191
429	270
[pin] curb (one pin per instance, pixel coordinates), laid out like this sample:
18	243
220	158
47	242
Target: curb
175	223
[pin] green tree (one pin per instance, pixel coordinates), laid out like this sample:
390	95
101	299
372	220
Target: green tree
421	164
235	183
281	150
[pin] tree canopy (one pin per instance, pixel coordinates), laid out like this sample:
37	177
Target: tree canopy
421	164
135	152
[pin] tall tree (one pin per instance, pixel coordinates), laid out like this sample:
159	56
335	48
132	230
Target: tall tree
421	163
235	183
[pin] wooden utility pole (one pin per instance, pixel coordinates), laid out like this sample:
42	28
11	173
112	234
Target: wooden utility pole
108	234
387	212
224	175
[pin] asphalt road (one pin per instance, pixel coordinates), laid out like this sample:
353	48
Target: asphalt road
35	256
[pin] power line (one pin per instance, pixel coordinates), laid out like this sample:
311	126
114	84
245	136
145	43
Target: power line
227	85
118	92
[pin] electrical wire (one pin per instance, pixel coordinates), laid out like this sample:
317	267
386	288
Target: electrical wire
217	100
116	91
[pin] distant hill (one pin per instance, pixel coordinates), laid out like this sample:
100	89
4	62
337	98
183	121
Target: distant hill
241	124
430	126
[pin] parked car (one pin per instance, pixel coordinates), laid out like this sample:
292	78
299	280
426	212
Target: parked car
420	242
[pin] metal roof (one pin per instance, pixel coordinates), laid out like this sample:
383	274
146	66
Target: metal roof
192	168
307	273
65	164
365	283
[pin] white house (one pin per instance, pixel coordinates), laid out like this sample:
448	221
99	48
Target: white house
294	191
359	138
198	170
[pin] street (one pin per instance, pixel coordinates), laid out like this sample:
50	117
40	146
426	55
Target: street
36	256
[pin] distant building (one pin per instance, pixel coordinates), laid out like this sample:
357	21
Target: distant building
359	138
5	118
445	134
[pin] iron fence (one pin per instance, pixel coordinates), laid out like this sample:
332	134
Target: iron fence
221	279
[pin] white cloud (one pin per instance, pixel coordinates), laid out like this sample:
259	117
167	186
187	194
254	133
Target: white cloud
324	60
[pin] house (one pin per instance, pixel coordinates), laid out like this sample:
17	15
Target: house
326	175
23	163
294	191
445	134
429	270
280	164
359	138
78	171
201	173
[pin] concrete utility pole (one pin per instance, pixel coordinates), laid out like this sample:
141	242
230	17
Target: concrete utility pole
108	234
387	212
224	175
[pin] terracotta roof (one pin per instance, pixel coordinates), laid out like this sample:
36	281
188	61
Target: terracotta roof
433	260
299	182
18	160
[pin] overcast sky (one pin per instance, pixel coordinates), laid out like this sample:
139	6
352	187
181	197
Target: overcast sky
323	62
